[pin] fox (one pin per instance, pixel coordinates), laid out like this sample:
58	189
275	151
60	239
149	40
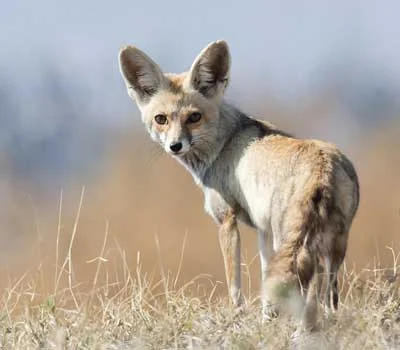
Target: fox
300	195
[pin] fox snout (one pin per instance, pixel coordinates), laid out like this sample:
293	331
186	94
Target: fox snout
177	147
175	139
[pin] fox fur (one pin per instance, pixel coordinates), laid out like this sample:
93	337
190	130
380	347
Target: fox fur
300	195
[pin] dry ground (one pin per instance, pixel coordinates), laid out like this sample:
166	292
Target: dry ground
121	308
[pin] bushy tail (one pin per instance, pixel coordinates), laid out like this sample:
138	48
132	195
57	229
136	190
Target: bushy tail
297	258
293	266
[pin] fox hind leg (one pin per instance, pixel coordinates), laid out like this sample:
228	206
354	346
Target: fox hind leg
331	293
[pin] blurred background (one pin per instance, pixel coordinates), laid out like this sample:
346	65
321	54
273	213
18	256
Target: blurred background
318	69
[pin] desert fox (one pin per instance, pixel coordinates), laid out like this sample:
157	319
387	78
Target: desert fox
300	195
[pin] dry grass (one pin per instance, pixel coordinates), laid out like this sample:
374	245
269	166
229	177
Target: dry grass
121	307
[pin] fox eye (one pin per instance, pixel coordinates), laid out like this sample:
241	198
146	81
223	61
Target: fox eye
160	119
194	117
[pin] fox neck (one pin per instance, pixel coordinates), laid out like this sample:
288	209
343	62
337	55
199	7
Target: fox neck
230	122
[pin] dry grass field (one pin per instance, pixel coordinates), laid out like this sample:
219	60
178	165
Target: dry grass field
120	307
132	261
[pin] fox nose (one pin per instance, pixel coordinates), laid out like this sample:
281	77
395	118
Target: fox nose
175	147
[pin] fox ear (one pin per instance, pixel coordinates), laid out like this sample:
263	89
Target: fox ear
142	76
210	71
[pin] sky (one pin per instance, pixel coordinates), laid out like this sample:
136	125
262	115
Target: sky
289	44
59	73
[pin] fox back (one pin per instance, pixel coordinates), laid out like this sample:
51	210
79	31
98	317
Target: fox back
300	195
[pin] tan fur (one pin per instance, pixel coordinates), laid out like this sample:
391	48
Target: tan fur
300	195
176	81
229	238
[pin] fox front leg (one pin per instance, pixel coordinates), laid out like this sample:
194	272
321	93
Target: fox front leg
229	238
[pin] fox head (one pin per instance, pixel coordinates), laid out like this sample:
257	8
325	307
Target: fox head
180	111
